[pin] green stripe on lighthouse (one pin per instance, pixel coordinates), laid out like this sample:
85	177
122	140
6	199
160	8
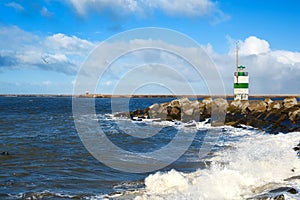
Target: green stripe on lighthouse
241	85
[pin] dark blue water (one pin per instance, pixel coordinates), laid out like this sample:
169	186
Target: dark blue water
48	160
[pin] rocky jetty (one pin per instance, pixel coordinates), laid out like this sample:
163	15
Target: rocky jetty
268	115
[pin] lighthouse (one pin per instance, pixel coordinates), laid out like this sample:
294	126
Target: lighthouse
241	81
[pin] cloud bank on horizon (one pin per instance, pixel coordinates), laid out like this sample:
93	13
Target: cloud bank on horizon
43	61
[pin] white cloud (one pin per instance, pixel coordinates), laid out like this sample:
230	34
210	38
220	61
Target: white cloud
186	8
125	6
16	6
108	83
47	83
68	44
148	64
271	71
45	12
286	57
253	46
12	37
183	7
59	52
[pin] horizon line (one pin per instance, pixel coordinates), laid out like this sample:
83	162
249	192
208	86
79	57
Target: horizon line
147	95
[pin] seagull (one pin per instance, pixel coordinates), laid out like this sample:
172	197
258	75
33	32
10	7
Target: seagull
44	59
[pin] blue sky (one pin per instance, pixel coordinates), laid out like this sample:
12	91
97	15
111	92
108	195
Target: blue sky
43	43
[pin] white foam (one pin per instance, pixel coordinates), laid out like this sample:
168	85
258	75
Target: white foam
256	164
205	124
41	195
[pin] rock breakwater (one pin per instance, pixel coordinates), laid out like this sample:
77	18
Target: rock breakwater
268	115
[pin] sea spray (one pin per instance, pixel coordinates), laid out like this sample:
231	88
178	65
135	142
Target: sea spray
255	165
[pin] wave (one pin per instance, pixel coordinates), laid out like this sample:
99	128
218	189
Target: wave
258	166
249	164
44	195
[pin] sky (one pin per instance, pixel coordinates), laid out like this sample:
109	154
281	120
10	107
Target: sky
45	44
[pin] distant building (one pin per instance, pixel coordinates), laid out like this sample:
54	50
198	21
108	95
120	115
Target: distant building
241	81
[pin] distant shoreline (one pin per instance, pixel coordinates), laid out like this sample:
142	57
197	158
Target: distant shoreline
148	95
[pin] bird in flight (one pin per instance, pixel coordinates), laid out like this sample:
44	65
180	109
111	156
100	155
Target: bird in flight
44	58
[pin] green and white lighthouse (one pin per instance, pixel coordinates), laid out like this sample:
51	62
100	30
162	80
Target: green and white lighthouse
241	82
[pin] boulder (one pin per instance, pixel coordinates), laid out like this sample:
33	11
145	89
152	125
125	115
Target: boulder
220	104
202	112
279	197
195	104
201	107
137	113
153	110
207	105
175	103
294	115
164	105
154	107
238	106
236	103
297	148
190	110
184	101
207	100
204	109
268	100
267	115
255	106
174	113
289	102
186	107
284	189
152	114
219	109
146	113
274	105
158	111
196	111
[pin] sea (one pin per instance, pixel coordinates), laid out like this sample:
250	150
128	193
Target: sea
42	156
